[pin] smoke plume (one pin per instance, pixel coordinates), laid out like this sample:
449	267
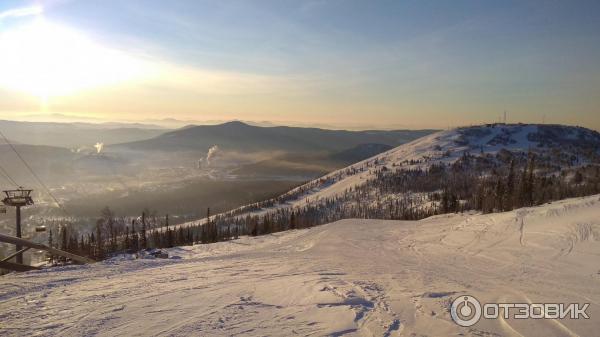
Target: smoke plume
211	153
99	146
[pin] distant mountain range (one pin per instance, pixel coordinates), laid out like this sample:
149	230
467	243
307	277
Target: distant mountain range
239	136
138	160
174	123
59	149
76	135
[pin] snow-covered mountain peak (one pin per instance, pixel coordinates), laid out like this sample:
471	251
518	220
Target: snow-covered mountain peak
491	139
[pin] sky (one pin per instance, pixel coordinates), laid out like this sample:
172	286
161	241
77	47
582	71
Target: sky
344	63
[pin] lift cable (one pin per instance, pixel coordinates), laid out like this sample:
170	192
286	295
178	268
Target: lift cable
7	176
34	174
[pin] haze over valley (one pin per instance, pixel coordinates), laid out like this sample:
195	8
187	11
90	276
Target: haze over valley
131	168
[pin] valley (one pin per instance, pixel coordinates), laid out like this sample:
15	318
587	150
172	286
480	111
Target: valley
178	172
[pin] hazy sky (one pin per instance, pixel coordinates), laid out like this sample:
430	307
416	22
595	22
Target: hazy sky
341	62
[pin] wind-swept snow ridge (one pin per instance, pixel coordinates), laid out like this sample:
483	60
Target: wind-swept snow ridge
353	277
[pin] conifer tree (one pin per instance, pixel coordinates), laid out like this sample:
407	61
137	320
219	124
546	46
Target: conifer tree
50	238
530	181
180	236
99	241
293	220
523	190
143	239
127	243
510	187
82	247
63	238
135	243
169	238
50	244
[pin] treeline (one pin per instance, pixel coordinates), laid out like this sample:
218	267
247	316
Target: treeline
485	183
482	183
115	235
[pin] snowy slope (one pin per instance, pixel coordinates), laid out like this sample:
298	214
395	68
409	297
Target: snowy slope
352	277
448	146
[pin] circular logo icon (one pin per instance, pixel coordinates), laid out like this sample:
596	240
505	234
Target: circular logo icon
465	310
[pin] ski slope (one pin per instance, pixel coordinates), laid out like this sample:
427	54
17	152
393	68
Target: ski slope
353	277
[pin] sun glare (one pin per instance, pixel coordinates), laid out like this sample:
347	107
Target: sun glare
46	60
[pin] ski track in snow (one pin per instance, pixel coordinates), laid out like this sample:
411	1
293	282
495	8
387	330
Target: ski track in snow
349	278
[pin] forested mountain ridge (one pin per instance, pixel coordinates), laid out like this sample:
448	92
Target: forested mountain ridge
492	167
238	136
555	148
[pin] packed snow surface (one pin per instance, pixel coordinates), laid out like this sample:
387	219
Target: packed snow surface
353	277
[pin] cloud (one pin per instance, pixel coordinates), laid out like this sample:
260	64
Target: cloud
23	11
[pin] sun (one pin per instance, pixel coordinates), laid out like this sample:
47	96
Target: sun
46	60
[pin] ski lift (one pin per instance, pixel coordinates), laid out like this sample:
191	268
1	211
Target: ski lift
19	197
39	229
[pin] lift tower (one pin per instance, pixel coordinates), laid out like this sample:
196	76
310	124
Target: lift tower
18	198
